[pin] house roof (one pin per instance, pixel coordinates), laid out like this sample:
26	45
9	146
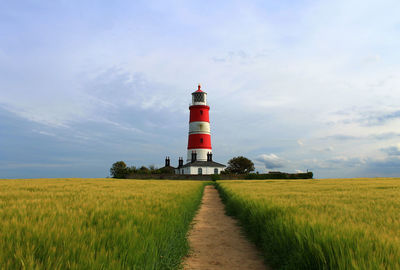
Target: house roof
198	163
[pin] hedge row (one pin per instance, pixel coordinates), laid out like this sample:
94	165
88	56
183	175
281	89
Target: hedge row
280	175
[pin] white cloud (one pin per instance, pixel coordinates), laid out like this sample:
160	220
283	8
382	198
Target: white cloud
271	161
42	132
373	58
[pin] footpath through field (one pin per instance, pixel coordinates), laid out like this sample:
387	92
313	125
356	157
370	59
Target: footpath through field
216	240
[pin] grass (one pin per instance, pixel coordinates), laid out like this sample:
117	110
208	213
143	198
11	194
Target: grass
320	224
95	223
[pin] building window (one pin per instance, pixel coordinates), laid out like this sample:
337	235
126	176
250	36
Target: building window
215	171
182	172
201	140
200	171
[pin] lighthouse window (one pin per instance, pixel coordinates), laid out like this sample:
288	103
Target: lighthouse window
201	112
198	97
201	140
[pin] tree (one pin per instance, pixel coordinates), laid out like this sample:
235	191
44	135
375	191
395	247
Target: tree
132	170
143	170
240	165
119	170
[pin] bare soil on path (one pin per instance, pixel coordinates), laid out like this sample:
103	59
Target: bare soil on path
217	241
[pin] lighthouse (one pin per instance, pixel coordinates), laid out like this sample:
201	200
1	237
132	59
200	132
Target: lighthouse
199	143
199	151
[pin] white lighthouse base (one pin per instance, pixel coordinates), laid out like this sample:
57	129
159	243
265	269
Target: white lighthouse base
200	168
201	154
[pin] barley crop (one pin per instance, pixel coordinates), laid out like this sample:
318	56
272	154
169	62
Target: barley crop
95	223
320	224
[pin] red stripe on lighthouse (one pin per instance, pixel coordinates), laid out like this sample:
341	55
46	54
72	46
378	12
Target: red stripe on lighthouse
197	141
199	113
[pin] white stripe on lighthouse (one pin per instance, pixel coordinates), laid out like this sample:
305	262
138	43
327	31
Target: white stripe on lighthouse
199	127
201	154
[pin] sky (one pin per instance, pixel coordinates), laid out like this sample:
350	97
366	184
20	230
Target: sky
292	85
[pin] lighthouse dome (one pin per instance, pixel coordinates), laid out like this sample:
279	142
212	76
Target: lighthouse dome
199	97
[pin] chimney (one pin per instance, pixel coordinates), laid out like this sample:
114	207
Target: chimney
180	162
167	163
194	156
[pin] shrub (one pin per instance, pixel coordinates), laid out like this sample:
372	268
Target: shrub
215	177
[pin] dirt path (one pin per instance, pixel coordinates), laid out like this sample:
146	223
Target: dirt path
216	240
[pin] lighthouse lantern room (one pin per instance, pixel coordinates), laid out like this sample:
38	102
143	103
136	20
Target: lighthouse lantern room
199	150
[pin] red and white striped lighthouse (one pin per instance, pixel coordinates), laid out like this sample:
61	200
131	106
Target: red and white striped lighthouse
199	151
199	145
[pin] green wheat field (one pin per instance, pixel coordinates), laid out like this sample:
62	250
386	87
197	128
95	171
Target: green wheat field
320	224
95	223
143	224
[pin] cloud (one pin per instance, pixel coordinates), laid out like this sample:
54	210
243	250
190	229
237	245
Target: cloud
117	82
346	161
372	136
366	116
239	56
271	161
385	136
378	118
42	132
343	137
389	162
389	166
324	149
100	97
388	116
342	166
337	162
373	58
392	150
116	87
300	142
